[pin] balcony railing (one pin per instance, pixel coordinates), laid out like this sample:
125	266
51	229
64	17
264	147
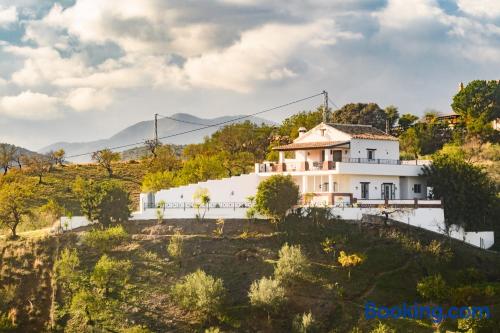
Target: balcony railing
317	165
192	205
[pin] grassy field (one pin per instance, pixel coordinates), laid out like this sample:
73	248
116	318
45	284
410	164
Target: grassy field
389	275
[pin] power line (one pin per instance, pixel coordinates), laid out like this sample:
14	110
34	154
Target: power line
333	103
207	126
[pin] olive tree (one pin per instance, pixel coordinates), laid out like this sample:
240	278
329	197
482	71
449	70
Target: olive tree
16	202
292	263
105	158
106	202
267	294
200	293
275	196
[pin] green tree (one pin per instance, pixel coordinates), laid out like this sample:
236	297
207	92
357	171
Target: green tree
17	195
201	168
407	120
110	275
275	196
267	294
200	293
392	115
58	156
166	159
410	143
292	264
156	181
92	312
7	154
66	268
361	113
308	119
468	195
114	206
38	164
478	104
105	202
433	288
105	158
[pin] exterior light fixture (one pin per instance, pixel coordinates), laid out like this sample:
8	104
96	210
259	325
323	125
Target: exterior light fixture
182	196
232	192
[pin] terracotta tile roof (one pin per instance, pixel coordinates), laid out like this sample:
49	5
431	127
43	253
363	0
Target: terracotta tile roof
311	145
363	132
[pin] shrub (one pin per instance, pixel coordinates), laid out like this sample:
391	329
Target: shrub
292	263
110	275
304	323
66	269
382	328
174	247
349	261
200	293
106	239
433	288
213	330
136	329
156	181
267	294
275	196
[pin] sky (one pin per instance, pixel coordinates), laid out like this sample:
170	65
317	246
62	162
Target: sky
80	70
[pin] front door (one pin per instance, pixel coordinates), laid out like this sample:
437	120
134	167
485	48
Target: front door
337	155
388	191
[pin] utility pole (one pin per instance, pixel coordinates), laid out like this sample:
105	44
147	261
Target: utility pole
325	106
156	129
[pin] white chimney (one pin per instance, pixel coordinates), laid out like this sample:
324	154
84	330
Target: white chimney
302	131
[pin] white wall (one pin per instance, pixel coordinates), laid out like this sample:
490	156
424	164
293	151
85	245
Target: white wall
190	213
377	169
375	186
385	149
406	186
234	189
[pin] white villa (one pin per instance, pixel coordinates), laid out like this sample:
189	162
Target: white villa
339	163
354	169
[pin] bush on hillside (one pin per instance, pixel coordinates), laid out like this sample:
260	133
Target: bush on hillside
382	328
267	294
110	275
304	323
275	196
292	263
105	240
174	247
200	293
433	288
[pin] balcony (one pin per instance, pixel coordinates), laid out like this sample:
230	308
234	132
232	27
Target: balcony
294	165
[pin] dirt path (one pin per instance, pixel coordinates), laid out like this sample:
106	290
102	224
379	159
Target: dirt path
368	291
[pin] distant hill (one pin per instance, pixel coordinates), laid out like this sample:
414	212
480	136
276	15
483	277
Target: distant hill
145	130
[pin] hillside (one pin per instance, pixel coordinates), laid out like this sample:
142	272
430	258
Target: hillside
392	267
145	130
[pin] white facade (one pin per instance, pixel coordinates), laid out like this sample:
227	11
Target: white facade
355	167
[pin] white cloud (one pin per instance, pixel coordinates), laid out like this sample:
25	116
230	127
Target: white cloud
85	99
44	65
403	13
30	105
260	54
482	8
8	15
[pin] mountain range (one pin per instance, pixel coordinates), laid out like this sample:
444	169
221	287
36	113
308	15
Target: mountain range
170	127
